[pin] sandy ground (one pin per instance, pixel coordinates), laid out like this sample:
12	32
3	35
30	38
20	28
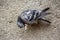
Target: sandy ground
9	11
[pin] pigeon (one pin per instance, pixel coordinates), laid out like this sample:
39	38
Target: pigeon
30	16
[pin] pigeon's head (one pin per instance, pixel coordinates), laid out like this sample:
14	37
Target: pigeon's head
20	23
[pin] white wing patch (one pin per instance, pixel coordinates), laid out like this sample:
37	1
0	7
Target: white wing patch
26	17
28	12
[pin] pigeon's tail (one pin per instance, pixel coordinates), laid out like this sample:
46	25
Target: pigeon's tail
45	9
43	12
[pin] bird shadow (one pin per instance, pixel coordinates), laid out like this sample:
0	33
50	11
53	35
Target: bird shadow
41	26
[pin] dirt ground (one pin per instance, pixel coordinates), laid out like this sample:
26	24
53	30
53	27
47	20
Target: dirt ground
9	11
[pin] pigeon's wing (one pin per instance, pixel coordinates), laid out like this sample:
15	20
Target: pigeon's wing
29	16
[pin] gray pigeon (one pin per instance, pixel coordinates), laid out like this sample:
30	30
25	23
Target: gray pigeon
31	16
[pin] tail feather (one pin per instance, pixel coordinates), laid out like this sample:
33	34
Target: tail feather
43	13
45	9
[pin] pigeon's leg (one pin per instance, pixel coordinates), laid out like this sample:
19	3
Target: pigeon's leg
44	20
26	26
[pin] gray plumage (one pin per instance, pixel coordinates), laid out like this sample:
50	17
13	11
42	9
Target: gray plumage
31	16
